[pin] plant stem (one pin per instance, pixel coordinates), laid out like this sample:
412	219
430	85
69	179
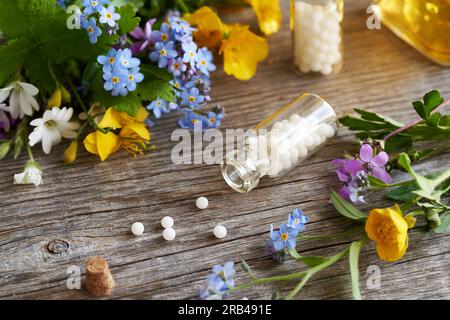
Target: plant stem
416	213
414	122
183	6
30	153
83	105
258	281
314	270
75	92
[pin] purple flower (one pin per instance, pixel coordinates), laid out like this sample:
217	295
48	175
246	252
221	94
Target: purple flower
283	238
143	37
375	165
347	171
5	123
353	173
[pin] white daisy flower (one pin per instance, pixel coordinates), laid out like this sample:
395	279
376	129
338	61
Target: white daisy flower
21	99
53	126
31	175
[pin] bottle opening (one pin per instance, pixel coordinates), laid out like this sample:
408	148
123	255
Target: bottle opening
241	175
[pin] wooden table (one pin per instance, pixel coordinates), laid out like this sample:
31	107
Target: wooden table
86	209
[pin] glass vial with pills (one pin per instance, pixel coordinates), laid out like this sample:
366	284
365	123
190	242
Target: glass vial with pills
316	27
280	142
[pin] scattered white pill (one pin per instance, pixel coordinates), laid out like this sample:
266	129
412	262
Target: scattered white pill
137	228
201	203
167	222
169	234
220	232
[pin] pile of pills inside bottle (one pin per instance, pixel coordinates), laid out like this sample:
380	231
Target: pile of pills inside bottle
317	37
287	143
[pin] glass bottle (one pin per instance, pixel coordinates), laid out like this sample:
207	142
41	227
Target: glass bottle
424	24
280	142
317	35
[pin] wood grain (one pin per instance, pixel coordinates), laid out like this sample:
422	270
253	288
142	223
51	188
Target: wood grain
86	209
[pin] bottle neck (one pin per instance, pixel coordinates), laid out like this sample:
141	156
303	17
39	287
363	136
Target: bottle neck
240	172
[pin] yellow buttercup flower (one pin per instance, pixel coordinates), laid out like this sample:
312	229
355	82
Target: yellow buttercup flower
133	136
209	27
268	13
242	51
71	152
389	229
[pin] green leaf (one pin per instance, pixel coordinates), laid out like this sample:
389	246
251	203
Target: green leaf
432	100
355	248
38	37
361	124
136	3
434	119
155	72
424	183
12	57
312	261
445	224
375	182
149	90
377	117
345	208
420	109
403	193
128	21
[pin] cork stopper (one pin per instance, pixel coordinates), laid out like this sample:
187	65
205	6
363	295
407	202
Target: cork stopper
99	281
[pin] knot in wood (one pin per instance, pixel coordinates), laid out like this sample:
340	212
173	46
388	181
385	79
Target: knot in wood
58	246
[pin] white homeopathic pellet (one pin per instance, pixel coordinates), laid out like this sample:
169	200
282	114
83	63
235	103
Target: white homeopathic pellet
201	203
169	234
220	231
137	228
167	222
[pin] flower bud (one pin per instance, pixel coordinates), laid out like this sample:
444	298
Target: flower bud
66	97
433	219
4	149
71	152
55	99
32	174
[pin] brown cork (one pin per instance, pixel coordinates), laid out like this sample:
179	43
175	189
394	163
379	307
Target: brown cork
99	281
